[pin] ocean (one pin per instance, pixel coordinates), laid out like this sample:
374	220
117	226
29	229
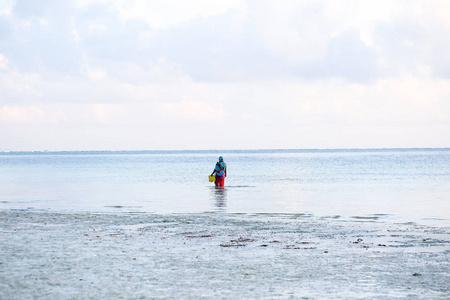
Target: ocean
411	185
289	224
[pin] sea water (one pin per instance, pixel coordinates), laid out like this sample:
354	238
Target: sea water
300	224
411	185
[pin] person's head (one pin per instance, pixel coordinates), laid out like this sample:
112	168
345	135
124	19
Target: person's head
220	159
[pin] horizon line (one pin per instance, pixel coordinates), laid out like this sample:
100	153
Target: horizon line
228	150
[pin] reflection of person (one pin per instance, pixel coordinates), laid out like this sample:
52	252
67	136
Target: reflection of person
221	172
220	195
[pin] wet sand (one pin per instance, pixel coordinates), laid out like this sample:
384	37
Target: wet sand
48	255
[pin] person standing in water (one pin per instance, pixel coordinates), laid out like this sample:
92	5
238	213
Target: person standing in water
221	172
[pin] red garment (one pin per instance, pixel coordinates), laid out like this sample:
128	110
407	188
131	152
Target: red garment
220	182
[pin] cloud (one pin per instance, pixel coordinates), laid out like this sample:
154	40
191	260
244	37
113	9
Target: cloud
258	73
409	102
38	38
29	115
20	114
3	62
236	41
107	113
414	48
347	57
192	111
162	14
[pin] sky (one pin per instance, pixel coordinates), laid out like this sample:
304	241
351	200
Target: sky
236	74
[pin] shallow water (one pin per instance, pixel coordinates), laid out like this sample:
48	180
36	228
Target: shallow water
48	255
400	184
344	224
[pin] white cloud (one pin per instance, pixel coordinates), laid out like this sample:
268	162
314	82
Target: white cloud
292	31
108	113
6	7
21	114
162	14
192	111
388	102
3	62
95	73
261	74
30	115
442	9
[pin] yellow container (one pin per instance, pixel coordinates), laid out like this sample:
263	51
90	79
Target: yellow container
212	178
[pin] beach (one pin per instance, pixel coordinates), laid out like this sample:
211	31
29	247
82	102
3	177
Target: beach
328	123
126	255
300	224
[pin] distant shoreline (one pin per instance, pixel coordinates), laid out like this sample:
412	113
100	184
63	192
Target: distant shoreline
243	151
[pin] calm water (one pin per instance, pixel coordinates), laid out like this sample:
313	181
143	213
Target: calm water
406	184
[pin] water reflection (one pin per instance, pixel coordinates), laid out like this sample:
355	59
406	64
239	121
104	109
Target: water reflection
220	198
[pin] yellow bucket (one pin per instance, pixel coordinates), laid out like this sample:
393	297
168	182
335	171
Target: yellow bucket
212	178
